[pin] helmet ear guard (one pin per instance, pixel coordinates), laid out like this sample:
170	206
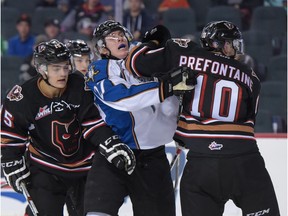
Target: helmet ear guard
238	45
43	70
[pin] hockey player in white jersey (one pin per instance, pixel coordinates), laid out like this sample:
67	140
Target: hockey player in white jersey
144	115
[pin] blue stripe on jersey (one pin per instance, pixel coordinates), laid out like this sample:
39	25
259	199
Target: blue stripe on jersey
97	72
122	123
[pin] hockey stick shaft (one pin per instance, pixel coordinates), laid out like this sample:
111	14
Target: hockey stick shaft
4	184
175	158
177	173
29	200
180	105
178	150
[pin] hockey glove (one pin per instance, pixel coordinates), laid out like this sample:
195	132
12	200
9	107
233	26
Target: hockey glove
15	172
177	81
118	154
158	33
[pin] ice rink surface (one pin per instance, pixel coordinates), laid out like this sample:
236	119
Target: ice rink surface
273	149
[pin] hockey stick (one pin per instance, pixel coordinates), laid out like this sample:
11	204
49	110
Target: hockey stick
4	184
29	199
175	158
177	173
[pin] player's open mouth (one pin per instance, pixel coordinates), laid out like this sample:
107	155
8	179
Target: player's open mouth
121	46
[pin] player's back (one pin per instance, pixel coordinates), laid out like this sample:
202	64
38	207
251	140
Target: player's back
221	108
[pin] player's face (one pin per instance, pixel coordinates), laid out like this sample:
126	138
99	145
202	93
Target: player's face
58	74
117	43
82	63
228	49
23	29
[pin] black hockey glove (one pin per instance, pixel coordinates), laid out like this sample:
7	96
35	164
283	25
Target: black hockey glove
176	81
159	33
15	172
119	154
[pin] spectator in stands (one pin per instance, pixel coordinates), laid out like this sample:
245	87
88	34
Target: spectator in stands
27	69
276	3
46	3
165	5
52	29
246	8
168	4
64	6
136	20
91	9
85	26
22	44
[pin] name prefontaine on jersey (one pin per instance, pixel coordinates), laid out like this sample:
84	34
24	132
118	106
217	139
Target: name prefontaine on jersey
216	68
55	130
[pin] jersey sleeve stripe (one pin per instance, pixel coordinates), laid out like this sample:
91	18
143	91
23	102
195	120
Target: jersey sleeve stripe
94	122
216	127
12	144
90	130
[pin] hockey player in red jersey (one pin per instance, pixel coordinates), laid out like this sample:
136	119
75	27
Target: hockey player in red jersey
49	130
217	122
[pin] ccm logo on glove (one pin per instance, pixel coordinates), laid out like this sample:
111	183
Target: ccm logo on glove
12	163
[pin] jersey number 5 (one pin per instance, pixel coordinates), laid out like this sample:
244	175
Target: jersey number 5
8	119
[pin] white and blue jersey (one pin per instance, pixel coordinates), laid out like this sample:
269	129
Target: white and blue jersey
132	107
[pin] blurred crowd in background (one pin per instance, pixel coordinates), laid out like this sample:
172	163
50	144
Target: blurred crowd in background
263	23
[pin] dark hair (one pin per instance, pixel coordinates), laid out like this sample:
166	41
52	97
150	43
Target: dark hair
24	18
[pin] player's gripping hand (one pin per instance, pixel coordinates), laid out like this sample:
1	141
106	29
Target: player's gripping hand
158	33
118	154
177	81
15	172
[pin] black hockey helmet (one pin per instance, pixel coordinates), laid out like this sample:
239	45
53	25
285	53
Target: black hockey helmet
50	52
214	35
104	29
78	47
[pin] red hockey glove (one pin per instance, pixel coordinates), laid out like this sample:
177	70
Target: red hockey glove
118	154
15	172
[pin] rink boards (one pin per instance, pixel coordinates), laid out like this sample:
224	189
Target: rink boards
272	147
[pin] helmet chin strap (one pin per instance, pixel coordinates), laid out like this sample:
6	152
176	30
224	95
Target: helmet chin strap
45	78
47	82
109	55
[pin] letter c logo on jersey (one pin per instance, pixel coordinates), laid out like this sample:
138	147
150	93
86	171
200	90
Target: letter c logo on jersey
15	94
182	42
65	136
